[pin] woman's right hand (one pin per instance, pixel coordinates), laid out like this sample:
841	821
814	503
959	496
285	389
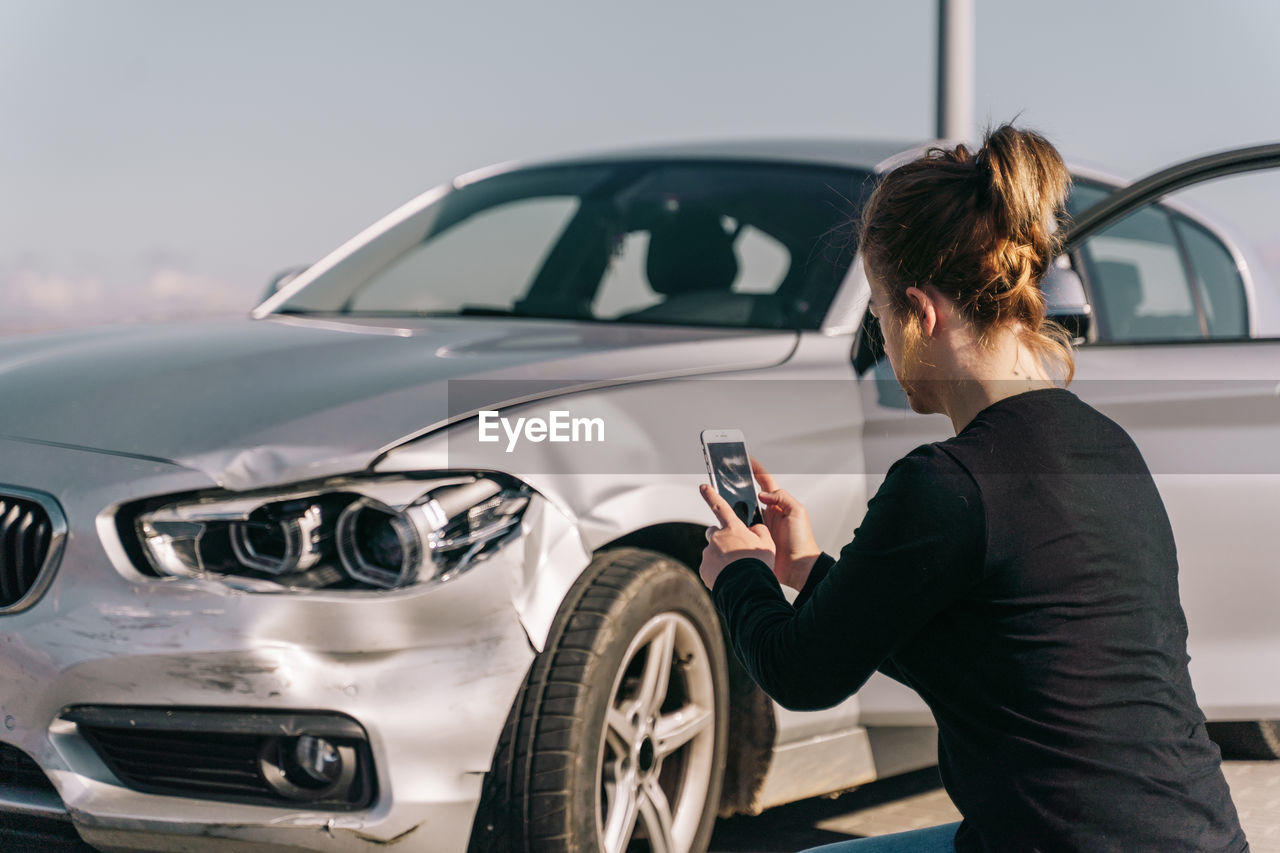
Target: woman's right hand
789	526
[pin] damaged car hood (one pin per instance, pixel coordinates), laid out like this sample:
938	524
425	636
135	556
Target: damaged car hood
260	402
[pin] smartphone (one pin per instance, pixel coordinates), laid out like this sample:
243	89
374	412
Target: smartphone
725	451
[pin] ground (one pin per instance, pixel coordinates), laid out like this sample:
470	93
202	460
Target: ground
917	799
892	805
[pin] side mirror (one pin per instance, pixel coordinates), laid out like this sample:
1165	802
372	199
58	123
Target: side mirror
1065	299
280	279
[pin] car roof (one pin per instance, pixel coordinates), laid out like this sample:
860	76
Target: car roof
875	155
869	154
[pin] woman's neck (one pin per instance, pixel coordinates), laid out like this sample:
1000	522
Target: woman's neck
984	375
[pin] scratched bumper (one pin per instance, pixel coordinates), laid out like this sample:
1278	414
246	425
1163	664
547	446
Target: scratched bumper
428	673
442	826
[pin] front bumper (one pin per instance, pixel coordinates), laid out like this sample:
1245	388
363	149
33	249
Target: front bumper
429	674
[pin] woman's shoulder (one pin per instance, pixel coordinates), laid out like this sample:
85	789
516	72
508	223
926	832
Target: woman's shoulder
1048	429
926	486
1042	407
930	467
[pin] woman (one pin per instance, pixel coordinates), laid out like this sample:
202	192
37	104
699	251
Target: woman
1020	576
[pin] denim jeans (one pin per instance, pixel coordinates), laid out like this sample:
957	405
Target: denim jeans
931	839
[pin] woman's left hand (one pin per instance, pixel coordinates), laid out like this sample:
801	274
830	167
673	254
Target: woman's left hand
732	540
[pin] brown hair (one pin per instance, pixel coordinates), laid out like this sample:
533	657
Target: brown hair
981	227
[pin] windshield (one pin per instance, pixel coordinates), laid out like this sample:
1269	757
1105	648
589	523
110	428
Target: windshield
747	245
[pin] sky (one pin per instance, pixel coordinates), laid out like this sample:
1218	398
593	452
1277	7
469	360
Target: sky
164	158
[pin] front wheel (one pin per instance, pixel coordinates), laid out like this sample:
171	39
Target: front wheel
616	743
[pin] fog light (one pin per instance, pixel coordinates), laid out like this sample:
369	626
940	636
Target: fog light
316	760
309	767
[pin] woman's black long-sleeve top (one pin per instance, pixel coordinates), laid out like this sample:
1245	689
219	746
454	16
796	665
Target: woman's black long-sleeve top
1022	578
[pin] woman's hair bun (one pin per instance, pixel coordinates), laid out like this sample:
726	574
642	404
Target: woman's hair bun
1029	182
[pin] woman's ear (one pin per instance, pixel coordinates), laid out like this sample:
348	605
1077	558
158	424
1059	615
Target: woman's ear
924	306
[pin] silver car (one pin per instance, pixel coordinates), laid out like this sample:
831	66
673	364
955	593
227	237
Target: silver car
409	556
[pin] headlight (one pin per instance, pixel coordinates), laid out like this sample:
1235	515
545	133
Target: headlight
380	533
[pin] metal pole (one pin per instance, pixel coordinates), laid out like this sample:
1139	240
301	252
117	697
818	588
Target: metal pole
956	60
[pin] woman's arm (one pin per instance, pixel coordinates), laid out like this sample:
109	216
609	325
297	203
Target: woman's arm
920	545
817	572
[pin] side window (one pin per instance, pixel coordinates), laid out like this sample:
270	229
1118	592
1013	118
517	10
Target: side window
1217	279
1085	195
1139	280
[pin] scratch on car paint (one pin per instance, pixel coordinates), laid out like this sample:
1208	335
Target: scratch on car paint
383	842
232	677
123	610
140	623
100	639
306	818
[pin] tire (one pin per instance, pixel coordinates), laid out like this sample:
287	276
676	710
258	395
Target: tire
617	740
1251	740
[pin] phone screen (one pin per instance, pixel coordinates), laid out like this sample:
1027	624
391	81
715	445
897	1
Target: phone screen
731	475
